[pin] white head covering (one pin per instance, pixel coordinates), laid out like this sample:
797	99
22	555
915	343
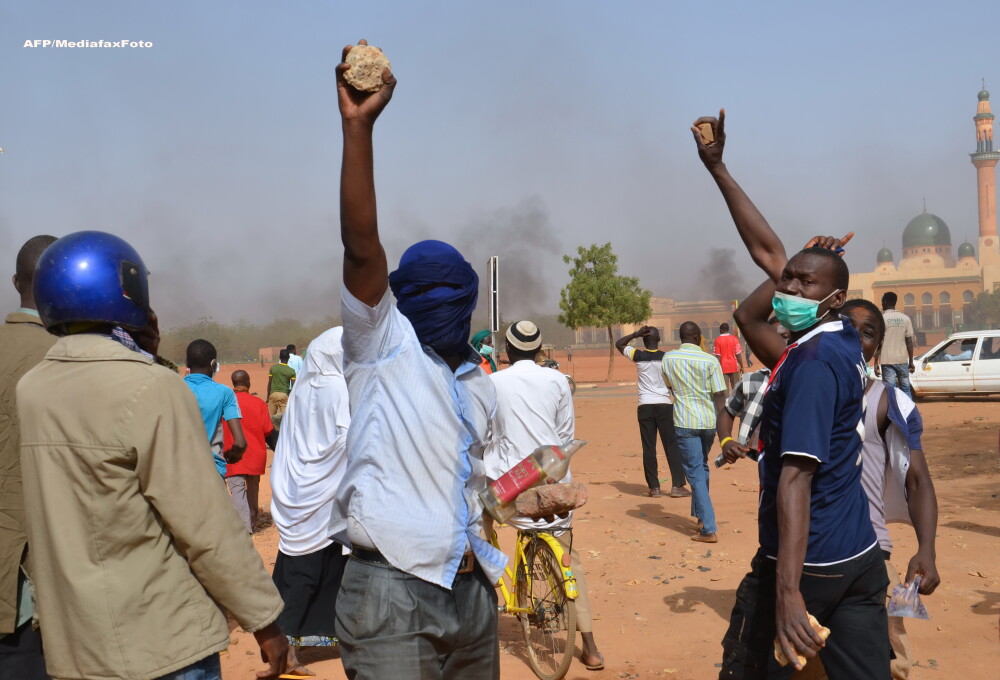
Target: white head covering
311	453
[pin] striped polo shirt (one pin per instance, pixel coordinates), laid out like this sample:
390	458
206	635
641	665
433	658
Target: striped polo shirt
693	376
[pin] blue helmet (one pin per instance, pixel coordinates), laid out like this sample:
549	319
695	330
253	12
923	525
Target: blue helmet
91	277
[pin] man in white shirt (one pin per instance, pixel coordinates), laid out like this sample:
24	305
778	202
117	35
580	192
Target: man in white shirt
294	360
656	412
894	360
535	408
417	599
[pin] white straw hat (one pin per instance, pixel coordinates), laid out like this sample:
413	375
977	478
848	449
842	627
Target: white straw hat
524	335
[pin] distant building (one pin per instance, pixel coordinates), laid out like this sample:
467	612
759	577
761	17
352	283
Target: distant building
934	284
668	315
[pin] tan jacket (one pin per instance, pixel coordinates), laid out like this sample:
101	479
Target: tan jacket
134	538
23	343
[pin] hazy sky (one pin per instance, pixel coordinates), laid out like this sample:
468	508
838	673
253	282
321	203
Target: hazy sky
522	129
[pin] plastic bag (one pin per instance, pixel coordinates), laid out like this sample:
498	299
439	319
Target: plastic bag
905	601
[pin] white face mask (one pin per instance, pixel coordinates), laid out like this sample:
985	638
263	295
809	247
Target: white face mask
215	367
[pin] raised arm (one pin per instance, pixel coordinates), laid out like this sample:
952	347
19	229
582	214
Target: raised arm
366	273
764	246
751	317
622	342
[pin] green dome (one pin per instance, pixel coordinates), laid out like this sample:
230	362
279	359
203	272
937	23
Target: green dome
926	229
884	255
984	95
966	250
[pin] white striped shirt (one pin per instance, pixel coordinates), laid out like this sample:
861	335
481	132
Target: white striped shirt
694	376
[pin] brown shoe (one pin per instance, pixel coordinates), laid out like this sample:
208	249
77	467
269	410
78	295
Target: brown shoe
679	492
654	493
706	538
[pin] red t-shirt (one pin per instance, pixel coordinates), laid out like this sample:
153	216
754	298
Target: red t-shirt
256	425
726	348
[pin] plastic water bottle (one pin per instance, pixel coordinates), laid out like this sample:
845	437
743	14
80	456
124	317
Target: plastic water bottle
549	461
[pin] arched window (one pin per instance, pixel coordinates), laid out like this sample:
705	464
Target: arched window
909	300
926	299
968	296
945	317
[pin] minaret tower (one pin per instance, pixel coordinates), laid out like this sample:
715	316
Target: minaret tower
985	160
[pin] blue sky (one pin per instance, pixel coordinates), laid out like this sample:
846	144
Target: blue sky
520	128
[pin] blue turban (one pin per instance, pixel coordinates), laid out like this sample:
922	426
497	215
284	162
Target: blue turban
441	315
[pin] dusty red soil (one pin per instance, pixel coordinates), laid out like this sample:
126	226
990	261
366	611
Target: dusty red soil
662	602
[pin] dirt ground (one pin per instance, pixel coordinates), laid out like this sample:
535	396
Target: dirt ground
661	602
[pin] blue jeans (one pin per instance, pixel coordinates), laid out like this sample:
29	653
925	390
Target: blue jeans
208	668
897	375
694	446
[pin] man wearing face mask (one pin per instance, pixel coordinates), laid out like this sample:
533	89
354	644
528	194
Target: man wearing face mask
818	551
216	402
417	597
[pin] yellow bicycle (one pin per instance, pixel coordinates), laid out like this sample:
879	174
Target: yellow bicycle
539	589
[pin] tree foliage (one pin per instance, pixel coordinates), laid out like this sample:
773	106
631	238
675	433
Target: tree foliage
985	309
597	295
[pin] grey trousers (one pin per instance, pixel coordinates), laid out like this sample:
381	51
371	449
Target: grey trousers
244	490
394	626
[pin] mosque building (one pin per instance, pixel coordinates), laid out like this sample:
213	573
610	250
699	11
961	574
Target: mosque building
934	283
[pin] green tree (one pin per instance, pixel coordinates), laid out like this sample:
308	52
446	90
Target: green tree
598	296
985	309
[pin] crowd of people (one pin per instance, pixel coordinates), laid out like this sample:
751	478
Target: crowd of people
121	549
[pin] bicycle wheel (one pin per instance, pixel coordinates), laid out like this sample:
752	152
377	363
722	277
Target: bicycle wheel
550	625
572	383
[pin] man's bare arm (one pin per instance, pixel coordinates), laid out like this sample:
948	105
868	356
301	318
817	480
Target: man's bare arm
366	272
271	439
751	317
239	447
764	246
622	342
922	505
795	635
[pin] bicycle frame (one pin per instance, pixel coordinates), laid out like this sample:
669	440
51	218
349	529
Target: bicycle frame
519	566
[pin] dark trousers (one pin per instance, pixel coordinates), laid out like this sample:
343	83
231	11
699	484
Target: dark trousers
848	598
394	626
308	585
21	655
655	418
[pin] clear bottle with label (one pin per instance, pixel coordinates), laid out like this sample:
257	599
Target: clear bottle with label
546	462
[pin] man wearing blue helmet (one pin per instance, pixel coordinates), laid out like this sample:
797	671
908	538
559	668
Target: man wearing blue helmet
23	343
136	548
417	598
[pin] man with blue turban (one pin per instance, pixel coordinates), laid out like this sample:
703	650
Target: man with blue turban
417	598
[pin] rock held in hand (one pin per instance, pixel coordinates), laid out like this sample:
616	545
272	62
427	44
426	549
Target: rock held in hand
779	653
707	133
366	66
550	499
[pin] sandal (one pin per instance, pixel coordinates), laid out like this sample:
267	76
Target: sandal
594	666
